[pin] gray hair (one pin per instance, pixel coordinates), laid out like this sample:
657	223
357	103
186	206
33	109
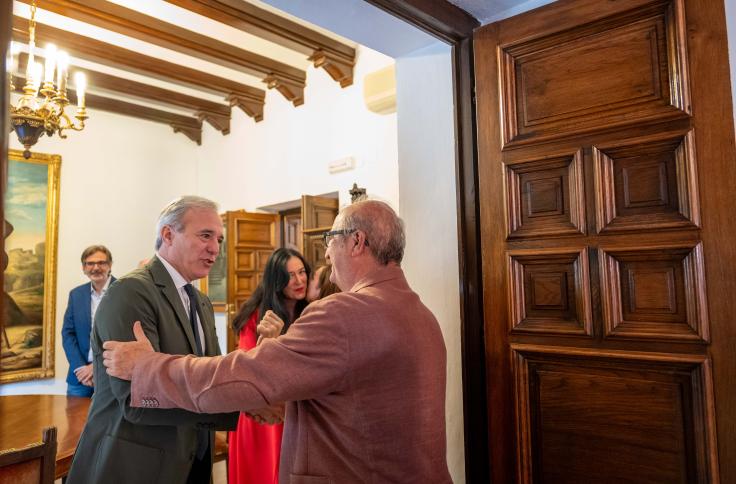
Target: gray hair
173	214
384	230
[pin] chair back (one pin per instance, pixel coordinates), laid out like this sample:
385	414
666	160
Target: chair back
33	464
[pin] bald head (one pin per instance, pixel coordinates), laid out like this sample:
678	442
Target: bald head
384	230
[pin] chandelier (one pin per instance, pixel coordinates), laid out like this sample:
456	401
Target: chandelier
32	116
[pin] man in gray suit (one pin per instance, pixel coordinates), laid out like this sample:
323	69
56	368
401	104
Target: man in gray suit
122	444
362	371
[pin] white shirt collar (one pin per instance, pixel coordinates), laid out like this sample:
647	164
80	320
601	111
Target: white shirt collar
178	279
104	288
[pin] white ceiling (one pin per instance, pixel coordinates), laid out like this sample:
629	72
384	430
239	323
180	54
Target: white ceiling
183	18
359	21
487	11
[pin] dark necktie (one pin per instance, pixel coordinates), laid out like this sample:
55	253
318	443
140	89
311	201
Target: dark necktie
203	436
193	303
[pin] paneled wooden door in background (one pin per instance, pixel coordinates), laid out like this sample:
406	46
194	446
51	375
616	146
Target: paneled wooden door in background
251	238
318	214
606	173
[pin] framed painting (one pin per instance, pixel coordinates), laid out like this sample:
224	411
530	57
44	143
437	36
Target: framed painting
32	209
215	284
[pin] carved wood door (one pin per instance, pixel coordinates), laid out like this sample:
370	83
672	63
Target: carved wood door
251	238
318	214
606	178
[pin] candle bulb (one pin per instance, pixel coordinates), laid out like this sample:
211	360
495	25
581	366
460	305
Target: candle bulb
31	63
62	63
12	60
36	75
80	81
50	61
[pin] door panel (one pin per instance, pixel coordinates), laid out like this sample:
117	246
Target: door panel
318	214
292	230
314	250
606	172
596	90
612	417
252	237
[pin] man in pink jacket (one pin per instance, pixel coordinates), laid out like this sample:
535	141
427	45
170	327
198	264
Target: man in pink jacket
362	371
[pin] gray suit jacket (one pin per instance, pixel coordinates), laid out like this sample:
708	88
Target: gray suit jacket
363	373
127	445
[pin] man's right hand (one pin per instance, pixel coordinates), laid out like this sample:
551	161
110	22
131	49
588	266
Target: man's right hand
120	357
268	415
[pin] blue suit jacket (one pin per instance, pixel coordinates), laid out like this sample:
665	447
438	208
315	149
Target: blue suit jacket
77	327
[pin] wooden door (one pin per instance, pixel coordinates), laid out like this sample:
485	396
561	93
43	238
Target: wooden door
318	214
251	238
606	179
291	229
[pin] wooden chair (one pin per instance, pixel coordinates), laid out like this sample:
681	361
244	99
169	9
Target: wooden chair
33	464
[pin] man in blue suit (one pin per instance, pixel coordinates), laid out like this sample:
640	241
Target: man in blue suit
79	317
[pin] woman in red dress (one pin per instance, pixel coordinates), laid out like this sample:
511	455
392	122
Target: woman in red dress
254	449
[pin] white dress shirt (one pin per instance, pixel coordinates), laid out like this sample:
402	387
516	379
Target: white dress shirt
179	283
95	299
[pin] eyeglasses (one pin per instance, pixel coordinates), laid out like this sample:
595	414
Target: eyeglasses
328	236
92	263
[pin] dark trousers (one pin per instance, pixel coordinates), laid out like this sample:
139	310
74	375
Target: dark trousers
201	472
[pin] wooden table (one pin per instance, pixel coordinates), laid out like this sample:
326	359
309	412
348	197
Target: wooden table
23	417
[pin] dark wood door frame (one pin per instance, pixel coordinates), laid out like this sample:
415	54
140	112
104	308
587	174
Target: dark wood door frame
455	27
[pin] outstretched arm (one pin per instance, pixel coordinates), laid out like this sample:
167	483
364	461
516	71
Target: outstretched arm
123	304
309	361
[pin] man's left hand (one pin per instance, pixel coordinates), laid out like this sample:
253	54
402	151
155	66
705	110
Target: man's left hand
120	357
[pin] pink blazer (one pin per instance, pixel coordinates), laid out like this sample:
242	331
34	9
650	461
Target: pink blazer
363	373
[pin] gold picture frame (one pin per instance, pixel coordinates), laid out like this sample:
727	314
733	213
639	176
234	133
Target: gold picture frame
32	207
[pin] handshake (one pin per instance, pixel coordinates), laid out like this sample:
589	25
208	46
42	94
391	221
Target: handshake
268	415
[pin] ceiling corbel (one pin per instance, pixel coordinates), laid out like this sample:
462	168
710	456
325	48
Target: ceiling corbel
291	91
111	55
218	121
190	126
340	69
218	115
250	105
193	133
132	23
335	57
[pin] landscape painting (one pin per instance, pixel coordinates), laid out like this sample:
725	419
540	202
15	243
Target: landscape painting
32	212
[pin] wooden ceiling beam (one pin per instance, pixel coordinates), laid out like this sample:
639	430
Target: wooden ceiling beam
189	126
288	80
335	57
218	115
247	98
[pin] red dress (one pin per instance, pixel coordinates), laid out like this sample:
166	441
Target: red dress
254	449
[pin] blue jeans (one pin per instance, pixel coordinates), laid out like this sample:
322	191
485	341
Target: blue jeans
79	390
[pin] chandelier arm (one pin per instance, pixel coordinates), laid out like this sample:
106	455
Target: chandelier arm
32	117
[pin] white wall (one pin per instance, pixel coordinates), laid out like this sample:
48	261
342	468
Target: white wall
115	177
428	206
286	155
